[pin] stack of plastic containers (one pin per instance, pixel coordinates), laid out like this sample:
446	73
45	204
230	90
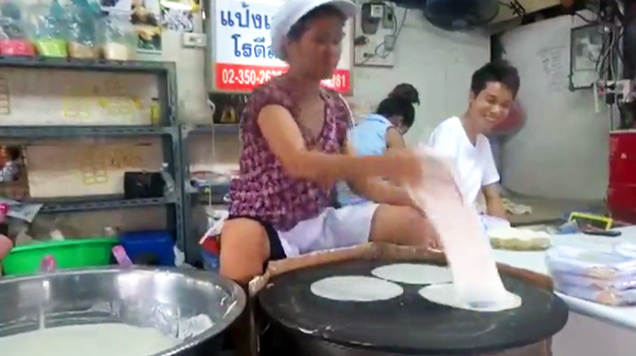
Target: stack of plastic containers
600	277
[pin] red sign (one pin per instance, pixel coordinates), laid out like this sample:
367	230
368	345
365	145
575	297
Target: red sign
244	78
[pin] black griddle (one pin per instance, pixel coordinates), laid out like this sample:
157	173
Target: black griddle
409	324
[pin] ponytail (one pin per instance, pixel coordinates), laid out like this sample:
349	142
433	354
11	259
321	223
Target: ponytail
400	102
405	92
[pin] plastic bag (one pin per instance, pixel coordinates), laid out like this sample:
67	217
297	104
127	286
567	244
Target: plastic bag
82	30
48	29
600	277
626	249
590	263
119	38
617	284
13	37
610	297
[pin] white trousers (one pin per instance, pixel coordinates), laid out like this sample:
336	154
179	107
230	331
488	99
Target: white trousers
333	228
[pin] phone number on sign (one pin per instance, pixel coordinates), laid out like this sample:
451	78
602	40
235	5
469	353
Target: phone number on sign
239	78
247	77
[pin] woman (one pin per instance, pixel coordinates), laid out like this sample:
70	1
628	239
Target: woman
382	130
294	137
294	150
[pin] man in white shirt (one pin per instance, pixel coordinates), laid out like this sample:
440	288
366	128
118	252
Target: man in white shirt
492	91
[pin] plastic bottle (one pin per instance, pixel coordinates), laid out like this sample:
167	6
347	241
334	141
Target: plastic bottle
155	112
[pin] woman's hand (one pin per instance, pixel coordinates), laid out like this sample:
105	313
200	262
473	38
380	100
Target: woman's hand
412	168
435	243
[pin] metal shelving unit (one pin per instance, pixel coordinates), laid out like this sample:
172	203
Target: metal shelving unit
82	131
99	203
96	65
192	195
169	132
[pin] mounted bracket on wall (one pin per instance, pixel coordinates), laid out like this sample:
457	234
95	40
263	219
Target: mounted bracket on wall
586	45
194	40
375	34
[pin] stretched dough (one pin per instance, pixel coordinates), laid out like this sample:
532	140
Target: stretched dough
446	294
356	289
460	229
411	273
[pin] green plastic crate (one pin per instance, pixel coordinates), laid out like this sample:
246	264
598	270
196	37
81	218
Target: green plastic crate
74	253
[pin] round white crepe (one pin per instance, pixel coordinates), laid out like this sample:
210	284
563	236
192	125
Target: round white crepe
355	289
445	294
411	273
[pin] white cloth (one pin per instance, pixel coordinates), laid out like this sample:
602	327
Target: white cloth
293	10
475	164
333	228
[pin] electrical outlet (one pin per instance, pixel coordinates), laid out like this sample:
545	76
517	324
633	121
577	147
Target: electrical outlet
377	11
194	40
375	35
389	42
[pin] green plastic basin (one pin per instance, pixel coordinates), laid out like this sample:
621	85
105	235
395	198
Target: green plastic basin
76	253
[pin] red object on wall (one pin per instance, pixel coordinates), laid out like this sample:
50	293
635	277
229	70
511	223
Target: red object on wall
512	123
621	192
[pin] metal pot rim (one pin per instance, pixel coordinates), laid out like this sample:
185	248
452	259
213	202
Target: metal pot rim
233	312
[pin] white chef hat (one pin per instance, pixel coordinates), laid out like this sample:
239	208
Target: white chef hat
293	10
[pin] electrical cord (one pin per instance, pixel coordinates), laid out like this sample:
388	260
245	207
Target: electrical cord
611	53
515	7
397	29
605	14
588	21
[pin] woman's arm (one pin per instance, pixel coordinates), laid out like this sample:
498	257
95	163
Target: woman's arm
494	203
394	139
286	142
376	189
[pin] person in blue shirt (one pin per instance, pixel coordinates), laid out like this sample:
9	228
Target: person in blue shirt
374	134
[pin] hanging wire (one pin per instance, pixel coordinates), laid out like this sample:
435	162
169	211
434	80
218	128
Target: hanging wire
515	6
379	51
611	54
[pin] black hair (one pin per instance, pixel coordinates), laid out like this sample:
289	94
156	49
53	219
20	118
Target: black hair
400	102
499	72
14	152
297	30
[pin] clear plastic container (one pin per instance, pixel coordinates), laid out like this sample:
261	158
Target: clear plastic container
13	38
82	30
589	263
119	40
48	28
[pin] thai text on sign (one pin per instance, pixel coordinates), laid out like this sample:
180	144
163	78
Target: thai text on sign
243	56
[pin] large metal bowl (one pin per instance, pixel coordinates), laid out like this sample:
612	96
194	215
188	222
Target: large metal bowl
166	299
